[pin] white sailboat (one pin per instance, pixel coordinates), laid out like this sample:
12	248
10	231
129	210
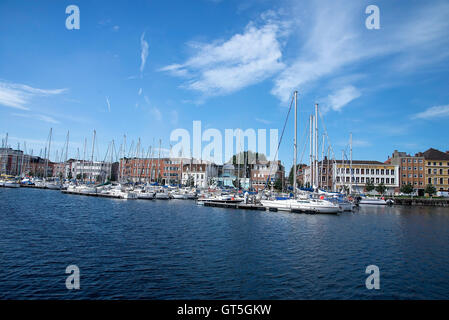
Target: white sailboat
300	205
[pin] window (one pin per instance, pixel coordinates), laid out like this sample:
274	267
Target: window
403	160
372	171
415	161
382	172
441	171
377	180
362	171
392	171
410	168
388	180
392	180
388	172
357	179
409	160
429	180
382	180
429	171
441	181
357	171
362	179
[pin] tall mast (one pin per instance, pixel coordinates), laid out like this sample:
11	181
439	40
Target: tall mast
84	159
295	144
66	155
47	156
311	149
92	157
159	161
350	163
322	163
316	145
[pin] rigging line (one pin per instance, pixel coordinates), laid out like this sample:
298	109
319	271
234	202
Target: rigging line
327	135
280	140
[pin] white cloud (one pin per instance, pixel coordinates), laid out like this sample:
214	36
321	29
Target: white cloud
18	96
433	112
337	100
144	52
40	117
332	40
140	91
222	67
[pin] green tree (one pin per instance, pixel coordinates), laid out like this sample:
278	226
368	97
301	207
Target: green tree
407	188
69	176
278	184
430	189
380	188
78	176
369	186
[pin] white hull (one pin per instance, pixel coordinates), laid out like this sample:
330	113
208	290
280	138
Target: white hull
315	206
162	196
11	185
372	202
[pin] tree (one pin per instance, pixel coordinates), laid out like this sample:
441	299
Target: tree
69	176
78	176
369	186
278	184
407	188
380	188
430	189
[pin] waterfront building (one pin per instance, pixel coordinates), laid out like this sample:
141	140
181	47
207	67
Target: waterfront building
336	175
87	170
436	168
200	175
363	172
411	170
266	173
325	177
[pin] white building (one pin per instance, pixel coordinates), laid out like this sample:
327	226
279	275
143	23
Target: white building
201	174
89	170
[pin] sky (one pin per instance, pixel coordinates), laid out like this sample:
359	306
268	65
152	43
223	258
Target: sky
146	68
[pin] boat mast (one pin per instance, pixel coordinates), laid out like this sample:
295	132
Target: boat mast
350	163
295	144
47	156
66	155
84	159
92	158
310	149
316	145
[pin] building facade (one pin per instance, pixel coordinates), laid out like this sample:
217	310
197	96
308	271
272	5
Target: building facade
411	170
436	168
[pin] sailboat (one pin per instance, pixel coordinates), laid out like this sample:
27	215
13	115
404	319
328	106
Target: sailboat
300	205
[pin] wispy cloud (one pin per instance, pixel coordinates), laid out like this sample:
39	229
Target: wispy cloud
18	96
340	98
433	112
222	67
156	113
140	91
39	117
333	41
263	121
108	104
143	53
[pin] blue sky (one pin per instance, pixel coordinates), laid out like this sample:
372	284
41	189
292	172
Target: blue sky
147	68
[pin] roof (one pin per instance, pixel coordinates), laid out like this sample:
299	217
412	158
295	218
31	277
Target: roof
360	162
434	154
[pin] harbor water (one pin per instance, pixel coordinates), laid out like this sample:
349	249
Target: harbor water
174	249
